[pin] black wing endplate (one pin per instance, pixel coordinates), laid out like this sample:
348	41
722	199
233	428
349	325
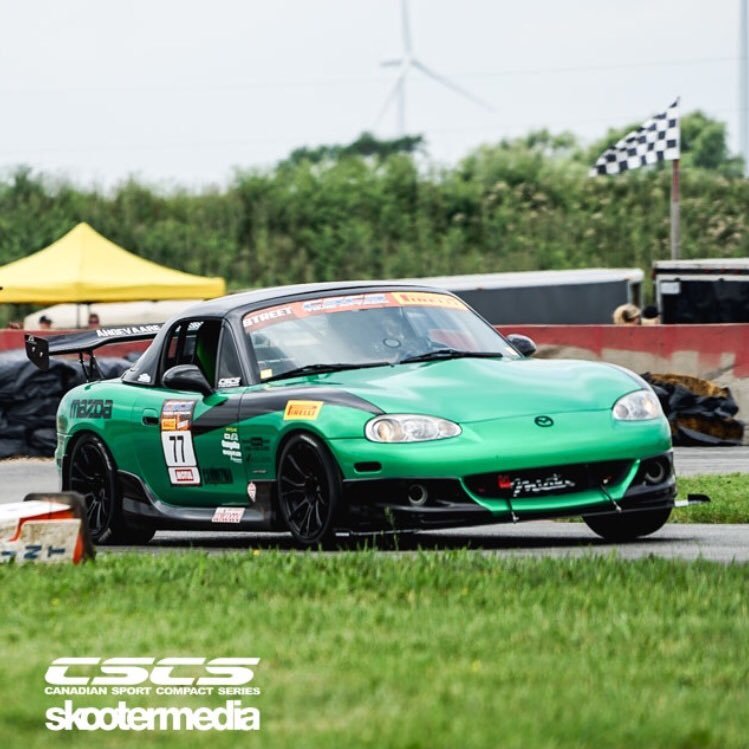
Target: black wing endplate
38	349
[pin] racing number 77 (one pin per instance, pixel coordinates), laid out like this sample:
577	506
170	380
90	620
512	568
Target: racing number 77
178	439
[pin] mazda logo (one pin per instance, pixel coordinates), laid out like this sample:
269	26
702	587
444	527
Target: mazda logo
544	421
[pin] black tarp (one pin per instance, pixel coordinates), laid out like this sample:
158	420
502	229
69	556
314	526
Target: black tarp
29	398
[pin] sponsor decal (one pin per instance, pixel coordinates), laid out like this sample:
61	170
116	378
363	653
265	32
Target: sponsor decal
176	443
177	415
335	303
91	409
230	446
144	377
426	299
229	382
131	330
255	449
252	491
522	487
228	515
328	305
307	410
272	314
259	443
188	476
217	476
185	677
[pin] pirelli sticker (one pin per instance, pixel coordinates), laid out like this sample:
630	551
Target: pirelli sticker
302	410
176	443
427	299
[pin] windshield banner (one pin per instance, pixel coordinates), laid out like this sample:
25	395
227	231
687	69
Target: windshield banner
328	305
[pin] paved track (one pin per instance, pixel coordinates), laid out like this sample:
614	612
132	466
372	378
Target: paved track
722	543
719	543
691	461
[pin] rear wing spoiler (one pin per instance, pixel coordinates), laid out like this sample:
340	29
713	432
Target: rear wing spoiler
38	350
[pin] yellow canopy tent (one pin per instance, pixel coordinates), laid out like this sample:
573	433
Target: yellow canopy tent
84	266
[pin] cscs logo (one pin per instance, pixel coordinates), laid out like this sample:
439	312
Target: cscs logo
218	672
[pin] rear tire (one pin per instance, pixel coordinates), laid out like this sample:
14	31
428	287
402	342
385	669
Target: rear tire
627	525
93	474
309	490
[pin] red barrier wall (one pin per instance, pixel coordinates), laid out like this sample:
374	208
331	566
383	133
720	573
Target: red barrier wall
713	352
711	346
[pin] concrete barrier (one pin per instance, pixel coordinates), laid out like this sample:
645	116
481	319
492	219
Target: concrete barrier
713	352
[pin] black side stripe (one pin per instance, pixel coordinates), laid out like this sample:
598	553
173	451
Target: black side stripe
264	402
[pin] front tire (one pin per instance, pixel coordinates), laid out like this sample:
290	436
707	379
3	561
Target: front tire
309	490
628	525
92	473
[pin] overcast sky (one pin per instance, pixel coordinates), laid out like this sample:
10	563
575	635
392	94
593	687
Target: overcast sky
182	92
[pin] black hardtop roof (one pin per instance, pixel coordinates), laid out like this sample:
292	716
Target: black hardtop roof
222	305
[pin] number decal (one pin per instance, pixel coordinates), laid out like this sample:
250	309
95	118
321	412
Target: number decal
176	443
178	439
178	450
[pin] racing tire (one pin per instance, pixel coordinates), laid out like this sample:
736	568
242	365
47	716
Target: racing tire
308	490
93	474
628	525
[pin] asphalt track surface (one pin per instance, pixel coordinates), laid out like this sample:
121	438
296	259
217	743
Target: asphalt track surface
720	543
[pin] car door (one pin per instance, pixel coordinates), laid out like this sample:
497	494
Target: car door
190	453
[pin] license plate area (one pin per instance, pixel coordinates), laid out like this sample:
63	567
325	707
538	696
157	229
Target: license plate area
547	481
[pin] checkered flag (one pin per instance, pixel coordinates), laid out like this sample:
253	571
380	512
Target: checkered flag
656	140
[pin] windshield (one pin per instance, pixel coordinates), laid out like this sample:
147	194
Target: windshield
367	329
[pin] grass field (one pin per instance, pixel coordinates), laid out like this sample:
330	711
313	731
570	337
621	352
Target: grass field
438	649
729	494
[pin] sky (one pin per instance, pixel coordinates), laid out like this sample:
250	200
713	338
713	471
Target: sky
183	93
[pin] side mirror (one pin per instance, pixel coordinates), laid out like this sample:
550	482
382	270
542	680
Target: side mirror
186	377
522	343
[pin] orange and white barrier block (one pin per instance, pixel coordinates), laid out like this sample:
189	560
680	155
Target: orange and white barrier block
45	529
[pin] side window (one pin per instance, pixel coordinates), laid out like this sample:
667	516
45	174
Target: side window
194	342
229	370
173	347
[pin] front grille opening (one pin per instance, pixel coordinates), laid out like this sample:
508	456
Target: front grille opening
537	483
654	471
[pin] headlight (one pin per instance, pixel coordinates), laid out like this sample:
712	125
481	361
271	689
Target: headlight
638	406
409	428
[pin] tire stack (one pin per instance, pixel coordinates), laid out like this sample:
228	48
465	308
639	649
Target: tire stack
700	412
29	399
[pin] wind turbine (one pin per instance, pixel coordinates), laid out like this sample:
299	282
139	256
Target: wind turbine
405	64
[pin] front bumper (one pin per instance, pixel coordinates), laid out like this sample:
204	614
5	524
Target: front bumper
412	503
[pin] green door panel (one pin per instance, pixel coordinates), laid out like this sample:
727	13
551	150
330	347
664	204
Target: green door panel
184	465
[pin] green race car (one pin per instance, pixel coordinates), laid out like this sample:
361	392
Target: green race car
358	407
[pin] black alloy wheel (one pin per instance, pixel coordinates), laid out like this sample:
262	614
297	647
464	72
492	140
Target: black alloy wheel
92	474
309	490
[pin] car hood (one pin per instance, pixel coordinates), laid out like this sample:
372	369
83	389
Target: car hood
465	390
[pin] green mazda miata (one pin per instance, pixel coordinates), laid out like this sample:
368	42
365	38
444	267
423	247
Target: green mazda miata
357	407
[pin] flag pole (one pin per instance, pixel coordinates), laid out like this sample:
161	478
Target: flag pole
675	210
